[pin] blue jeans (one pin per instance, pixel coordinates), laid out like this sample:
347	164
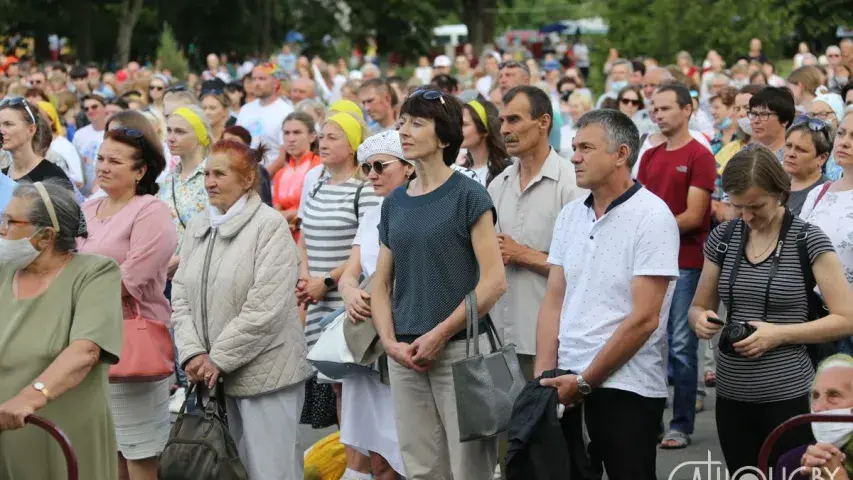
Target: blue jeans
683	352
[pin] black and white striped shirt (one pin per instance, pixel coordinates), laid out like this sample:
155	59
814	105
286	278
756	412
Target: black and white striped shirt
785	372
329	225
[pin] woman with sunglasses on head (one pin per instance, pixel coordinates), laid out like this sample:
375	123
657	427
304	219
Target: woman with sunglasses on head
132	226
157	90
765	378
369	425
440	222
486	155
298	156
830	206
19	124
808	144
61	329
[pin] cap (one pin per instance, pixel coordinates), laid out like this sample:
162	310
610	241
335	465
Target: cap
387	142
442	61
551	65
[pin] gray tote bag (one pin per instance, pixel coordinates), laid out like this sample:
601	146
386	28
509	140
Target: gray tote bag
486	384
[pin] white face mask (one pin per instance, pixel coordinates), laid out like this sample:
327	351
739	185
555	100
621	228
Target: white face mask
837	434
18	253
744	125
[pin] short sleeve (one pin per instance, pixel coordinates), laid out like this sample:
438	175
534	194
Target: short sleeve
809	204
97	308
713	241
478	203
703	172
817	243
557	249
657	245
384	220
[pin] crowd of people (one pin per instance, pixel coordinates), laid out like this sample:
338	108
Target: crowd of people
603	237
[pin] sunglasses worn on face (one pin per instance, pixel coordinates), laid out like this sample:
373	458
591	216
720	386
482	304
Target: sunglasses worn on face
91	108
14	102
631	101
159	88
377	166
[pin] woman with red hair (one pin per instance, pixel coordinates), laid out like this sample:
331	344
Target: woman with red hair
238	265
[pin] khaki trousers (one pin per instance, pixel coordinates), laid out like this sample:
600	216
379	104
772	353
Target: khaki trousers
427	425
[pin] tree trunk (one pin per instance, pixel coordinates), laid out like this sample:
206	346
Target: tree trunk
83	33
130	10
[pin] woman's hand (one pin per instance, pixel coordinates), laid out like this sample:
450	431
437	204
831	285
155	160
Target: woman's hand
357	304
174	263
302	297
402	353
826	459
427	347
704	328
315	288
766	337
15	411
207	372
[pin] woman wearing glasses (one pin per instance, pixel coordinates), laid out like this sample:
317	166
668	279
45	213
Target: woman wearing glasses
807	146
368	408
487	155
829	107
61	330
438	244
631	103
157	90
133	227
19	124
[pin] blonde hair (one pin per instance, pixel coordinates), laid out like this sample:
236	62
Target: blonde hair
584	99
200	114
809	76
157	120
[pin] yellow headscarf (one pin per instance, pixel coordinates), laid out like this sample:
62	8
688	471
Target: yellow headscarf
51	112
351	128
196	123
346	106
481	112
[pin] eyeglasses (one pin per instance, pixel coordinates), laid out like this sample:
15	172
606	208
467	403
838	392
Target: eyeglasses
377	166
212	91
17	101
833	55
763	116
631	101
822	115
159	88
91	108
429	95
6	221
814	124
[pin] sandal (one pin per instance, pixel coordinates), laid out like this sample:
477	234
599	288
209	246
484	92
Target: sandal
710	379
675	440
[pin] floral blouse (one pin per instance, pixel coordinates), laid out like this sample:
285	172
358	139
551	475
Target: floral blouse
834	215
185	198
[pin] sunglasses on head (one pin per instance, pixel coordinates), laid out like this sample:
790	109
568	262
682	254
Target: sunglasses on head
814	124
212	91
376	166
513	64
429	95
17	101
631	101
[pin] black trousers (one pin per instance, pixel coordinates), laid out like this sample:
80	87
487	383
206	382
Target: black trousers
623	429
743	426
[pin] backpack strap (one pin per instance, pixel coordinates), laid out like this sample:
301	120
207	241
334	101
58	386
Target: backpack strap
805	264
723	246
356	199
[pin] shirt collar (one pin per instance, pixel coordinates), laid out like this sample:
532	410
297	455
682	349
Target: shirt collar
199	170
619	200
551	167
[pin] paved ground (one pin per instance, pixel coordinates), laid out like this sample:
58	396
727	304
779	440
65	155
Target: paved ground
669	461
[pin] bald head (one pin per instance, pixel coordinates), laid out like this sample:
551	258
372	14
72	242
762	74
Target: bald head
302	89
653	79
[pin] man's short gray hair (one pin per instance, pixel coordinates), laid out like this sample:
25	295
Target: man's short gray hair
618	130
622	61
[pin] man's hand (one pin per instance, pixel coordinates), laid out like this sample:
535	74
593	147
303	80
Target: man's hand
824	460
510	249
567	389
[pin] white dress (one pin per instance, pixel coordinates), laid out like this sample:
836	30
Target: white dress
368	422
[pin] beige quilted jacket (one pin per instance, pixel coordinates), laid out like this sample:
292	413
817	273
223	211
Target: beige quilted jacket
250	265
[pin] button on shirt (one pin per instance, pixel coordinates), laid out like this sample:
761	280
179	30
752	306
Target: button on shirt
636	236
528	217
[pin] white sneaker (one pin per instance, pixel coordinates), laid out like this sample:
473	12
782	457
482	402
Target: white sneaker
177	400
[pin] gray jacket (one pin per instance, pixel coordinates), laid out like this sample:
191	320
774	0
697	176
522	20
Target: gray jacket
241	278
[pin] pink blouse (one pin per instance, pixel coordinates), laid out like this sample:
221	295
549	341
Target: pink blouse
142	239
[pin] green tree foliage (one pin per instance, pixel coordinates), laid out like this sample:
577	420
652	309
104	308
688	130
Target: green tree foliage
170	56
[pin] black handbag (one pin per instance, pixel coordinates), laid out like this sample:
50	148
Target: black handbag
200	446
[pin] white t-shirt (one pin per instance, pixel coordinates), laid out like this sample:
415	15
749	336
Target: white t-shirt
65	149
581	53
87	141
636	236
484	85
264	123
648	144
367	238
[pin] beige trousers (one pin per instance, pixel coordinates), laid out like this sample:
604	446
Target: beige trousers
427	425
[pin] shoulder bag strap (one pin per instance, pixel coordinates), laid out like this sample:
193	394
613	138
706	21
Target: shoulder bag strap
723	246
471	327
777	256
821	193
741	248
319	184
175	203
356	200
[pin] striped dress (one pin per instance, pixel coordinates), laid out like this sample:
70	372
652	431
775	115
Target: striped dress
329	225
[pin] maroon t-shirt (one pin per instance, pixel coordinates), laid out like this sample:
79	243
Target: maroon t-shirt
669	175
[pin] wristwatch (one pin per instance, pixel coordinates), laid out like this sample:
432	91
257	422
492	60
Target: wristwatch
42	389
583	387
329	282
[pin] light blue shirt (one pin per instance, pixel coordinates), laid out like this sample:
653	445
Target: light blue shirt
7	186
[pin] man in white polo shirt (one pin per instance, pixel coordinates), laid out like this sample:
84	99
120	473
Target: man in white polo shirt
263	117
614	260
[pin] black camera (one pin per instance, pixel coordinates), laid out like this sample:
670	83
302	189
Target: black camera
732	333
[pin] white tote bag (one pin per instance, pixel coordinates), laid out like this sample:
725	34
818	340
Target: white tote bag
331	356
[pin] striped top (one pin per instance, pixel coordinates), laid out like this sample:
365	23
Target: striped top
329	225
785	372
